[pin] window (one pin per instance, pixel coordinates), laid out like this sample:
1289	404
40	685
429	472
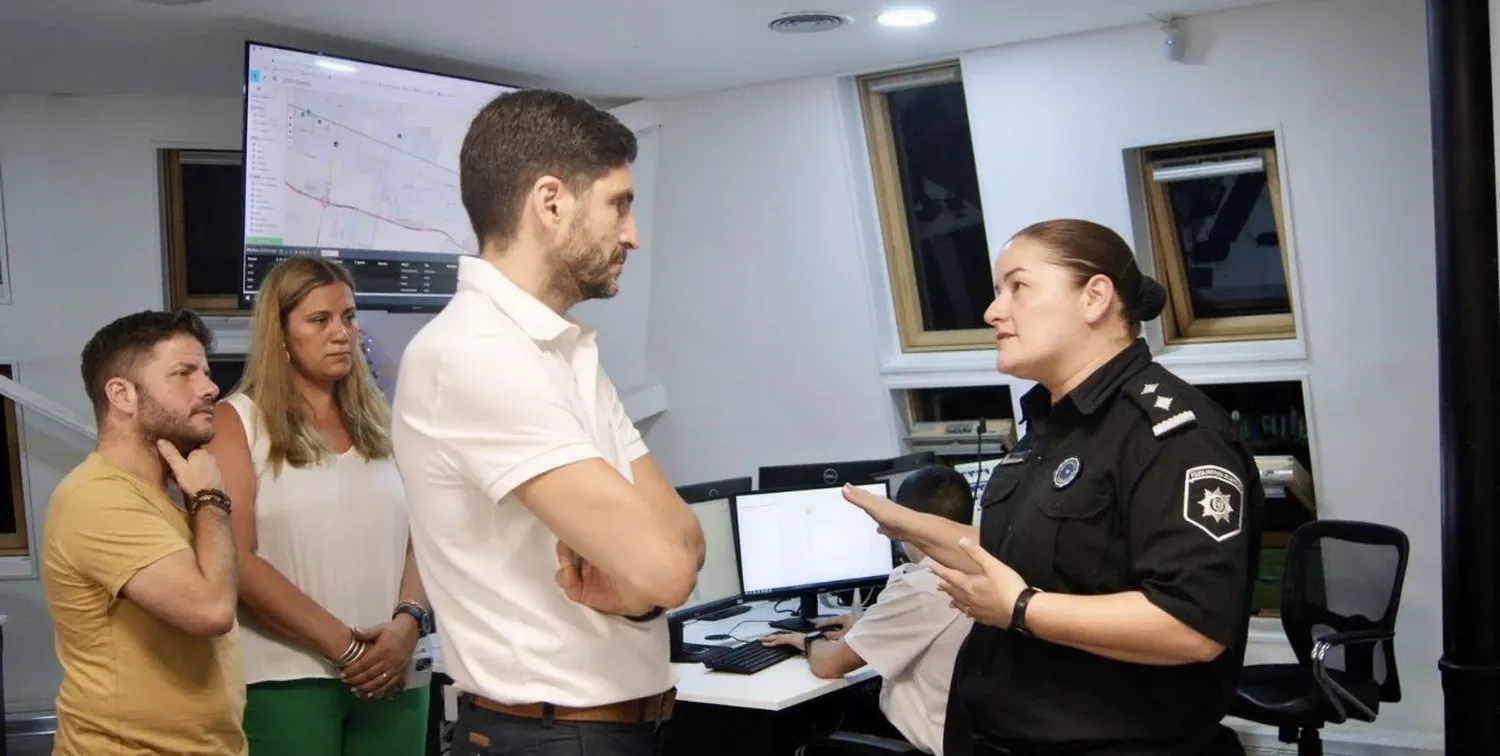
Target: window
1272	418
12	494
202	194
947	421
927	195
227	372
1219	239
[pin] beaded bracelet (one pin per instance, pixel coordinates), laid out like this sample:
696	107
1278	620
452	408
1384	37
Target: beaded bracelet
211	497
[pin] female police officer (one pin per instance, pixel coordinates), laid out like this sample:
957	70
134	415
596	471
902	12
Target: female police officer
1110	582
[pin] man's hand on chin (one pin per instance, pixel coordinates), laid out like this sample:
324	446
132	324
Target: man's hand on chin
583	583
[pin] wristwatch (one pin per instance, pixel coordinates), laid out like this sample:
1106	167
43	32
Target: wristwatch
1018	612
417	612
808	638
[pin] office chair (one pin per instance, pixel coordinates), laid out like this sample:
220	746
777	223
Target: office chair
1339	596
843	743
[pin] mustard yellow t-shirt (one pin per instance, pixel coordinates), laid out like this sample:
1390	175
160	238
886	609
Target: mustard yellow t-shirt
132	684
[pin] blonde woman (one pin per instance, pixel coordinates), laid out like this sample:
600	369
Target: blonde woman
331	605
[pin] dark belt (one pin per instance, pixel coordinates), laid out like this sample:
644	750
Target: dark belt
649	709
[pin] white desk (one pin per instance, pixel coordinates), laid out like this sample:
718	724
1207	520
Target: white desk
780	687
773	689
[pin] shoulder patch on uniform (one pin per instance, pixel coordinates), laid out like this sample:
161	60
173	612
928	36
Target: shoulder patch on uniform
1213	500
1157	396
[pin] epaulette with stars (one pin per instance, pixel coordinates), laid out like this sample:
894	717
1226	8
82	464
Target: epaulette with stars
1154	396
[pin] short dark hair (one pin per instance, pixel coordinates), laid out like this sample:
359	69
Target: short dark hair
521	136
938	490
1089	249
117	348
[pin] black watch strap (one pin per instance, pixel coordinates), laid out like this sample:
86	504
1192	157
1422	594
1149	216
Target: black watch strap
416	612
1018	612
647	617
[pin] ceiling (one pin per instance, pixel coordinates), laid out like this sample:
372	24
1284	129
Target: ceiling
597	48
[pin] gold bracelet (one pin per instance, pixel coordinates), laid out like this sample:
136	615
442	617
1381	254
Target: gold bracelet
351	654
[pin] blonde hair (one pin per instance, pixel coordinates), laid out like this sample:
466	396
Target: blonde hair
268	374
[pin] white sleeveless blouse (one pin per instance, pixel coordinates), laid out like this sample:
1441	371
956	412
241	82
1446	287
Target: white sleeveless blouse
337	531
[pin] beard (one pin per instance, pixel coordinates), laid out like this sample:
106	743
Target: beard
156	421
584	268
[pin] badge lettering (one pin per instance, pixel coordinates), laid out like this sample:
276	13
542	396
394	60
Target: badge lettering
1213	501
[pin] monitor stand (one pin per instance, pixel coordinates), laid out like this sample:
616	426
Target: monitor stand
805	620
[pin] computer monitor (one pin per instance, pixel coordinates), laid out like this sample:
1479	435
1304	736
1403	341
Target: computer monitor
357	162
781	477
693	493
719	580
901	467
802	542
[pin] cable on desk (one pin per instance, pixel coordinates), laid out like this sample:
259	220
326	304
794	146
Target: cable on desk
741	624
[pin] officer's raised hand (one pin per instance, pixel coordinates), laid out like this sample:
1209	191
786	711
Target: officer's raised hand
988	596
886	513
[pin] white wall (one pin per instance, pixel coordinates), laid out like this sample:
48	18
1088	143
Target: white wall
80	183
622	320
759	313
762	328
1345	82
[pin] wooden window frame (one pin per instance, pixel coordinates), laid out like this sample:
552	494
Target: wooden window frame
174	233
891	207
15	544
1180	325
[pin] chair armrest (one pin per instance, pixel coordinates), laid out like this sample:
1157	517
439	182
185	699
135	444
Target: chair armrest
1332	690
860	743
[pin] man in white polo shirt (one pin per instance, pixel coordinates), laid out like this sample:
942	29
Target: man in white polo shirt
547	538
911	636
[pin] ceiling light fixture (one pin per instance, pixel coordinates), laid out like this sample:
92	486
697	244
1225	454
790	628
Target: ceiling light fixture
906	17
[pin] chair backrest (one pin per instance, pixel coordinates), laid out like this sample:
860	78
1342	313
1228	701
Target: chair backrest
1344	576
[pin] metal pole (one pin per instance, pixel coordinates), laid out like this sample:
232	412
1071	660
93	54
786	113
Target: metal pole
1468	294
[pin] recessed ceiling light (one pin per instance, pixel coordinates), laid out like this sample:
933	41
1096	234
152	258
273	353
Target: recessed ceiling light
906	17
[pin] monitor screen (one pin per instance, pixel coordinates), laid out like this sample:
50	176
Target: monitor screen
798	541
357	162
719	580
895	479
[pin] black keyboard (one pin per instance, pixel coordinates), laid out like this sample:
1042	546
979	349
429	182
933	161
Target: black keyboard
749	658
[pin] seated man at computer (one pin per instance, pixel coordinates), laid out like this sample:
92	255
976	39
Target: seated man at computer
912	633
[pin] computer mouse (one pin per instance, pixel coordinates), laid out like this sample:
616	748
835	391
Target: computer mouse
716	636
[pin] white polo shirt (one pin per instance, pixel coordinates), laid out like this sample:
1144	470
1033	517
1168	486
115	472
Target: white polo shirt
495	390
911	636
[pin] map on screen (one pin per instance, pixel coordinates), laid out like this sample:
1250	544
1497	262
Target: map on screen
359	162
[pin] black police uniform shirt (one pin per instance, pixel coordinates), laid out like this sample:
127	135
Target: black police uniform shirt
1134	481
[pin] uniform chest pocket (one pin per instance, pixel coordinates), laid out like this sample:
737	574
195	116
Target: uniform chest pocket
1001	486
1081	523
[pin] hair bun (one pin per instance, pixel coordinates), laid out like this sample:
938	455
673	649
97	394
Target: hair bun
1150	299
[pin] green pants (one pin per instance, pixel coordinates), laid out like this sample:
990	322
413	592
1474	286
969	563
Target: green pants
325	718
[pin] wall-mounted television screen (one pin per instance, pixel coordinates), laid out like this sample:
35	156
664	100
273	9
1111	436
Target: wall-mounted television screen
359	162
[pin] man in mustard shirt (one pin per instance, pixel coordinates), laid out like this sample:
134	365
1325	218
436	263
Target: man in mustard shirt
142	589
